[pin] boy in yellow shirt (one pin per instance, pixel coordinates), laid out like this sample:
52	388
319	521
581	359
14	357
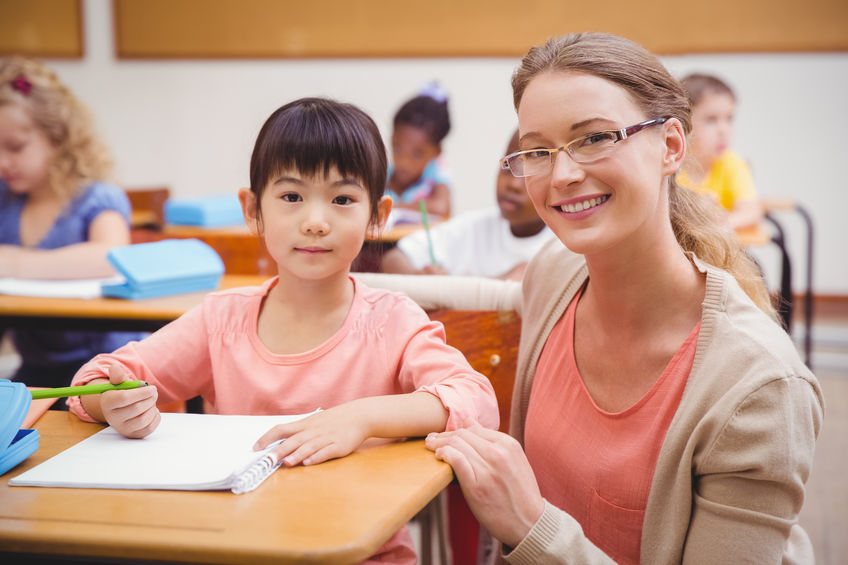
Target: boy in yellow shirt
711	168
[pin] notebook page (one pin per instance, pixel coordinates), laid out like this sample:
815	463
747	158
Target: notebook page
186	452
77	288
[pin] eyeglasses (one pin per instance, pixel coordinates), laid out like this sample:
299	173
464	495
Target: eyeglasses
586	149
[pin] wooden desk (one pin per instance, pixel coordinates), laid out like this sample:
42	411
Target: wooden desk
391	235
244	253
105	313
753	236
341	511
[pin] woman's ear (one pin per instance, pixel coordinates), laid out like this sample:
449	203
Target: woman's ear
384	208
675	146
249	210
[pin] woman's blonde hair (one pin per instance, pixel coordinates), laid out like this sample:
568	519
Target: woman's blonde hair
658	94
80	157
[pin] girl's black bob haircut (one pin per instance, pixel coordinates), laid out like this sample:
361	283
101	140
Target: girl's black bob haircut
312	135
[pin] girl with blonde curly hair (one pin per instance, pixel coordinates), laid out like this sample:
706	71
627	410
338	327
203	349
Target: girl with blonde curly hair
58	218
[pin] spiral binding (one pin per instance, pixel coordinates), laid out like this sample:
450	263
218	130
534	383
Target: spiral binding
255	474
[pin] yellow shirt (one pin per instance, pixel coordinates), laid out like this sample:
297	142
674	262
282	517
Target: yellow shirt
729	179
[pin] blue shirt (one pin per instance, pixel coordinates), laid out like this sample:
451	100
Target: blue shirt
434	174
46	348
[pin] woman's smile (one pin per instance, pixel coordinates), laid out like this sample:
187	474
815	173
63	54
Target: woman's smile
581	207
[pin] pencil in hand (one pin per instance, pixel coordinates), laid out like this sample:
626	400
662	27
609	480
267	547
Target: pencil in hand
84	389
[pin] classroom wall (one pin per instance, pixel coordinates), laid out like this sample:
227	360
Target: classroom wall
190	124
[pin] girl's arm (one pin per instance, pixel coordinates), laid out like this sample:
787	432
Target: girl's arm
395	261
443	392
745	213
174	361
439	201
77	261
338	431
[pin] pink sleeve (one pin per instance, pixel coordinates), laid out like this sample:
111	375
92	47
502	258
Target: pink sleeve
429	364
175	359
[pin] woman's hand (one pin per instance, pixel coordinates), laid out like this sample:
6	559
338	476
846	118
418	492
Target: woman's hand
329	434
495	477
133	412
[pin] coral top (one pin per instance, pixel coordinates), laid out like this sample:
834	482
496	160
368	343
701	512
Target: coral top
598	465
386	345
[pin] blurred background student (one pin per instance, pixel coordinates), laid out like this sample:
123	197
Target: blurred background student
417	172
494	242
58	219
711	167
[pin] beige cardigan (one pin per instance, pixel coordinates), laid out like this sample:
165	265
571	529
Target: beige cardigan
729	480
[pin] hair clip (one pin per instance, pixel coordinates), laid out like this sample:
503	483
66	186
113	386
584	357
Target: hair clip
22	85
434	91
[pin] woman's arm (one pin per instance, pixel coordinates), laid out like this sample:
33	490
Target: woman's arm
434	292
77	261
749	483
500	488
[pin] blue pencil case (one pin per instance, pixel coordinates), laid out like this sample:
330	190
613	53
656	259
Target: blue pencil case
206	211
16	444
162	268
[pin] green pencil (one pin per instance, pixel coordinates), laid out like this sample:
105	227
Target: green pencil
84	389
425	221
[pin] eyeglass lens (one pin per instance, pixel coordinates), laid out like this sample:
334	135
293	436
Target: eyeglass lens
584	149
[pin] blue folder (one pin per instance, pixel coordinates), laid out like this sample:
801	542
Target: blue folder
161	268
15	444
206	211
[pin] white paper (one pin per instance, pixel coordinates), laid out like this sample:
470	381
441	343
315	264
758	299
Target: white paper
186	452
78	288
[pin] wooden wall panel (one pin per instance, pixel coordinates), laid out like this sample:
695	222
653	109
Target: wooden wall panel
457	28
41	28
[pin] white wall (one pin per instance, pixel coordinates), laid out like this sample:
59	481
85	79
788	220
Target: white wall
190	125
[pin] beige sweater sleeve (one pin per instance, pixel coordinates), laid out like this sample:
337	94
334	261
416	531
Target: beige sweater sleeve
450	292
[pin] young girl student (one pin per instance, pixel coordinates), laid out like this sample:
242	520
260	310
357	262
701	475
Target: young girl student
660	414
311	337
58	219
417	173
711	168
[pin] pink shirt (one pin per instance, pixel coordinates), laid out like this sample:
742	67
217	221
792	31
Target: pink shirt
387	345
598	465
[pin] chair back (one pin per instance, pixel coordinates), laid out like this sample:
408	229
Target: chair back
489	340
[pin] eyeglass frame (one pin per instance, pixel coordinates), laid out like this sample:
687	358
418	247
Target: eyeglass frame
621	134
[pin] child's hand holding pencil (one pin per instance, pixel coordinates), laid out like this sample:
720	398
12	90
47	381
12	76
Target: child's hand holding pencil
128	407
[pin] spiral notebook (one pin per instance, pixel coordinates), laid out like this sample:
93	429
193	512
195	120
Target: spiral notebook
186	452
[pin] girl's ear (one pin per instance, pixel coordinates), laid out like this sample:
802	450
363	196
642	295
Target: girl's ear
384	207
675	146
248	210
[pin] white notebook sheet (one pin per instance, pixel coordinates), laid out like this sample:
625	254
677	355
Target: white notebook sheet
186	452
77	288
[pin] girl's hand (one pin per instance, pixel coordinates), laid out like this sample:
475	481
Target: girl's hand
329	434
133	412
495	477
